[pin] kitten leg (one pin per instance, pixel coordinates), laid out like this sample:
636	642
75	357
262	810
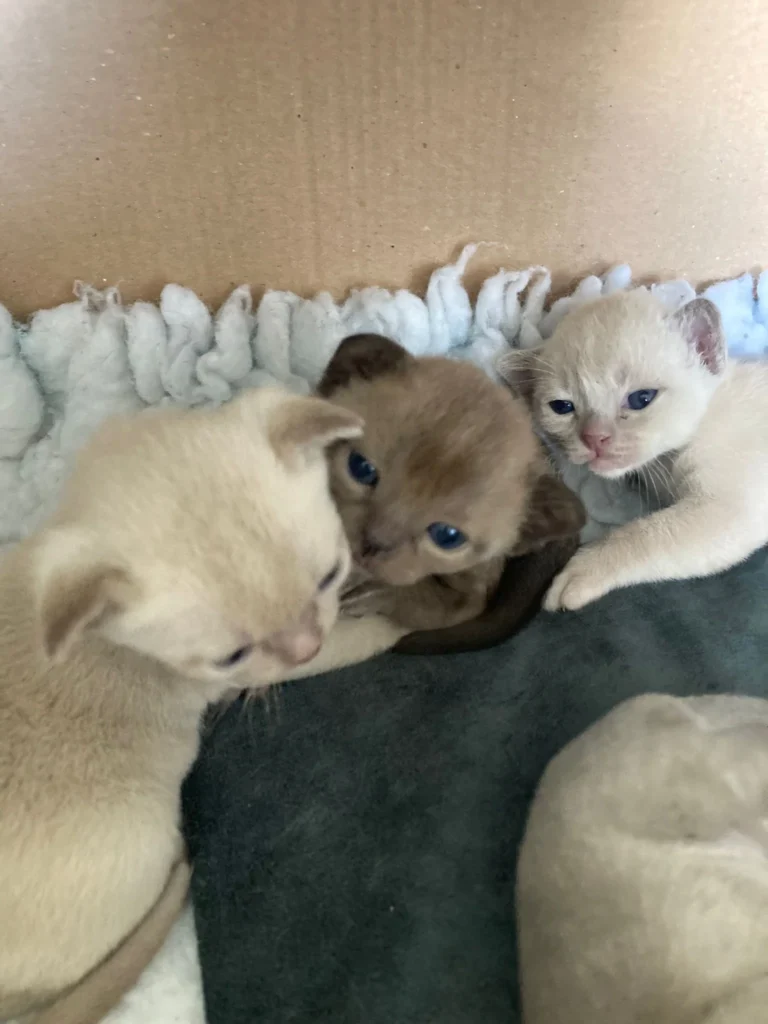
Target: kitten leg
371	597
439	602
433	603
511	603
695	537
350	641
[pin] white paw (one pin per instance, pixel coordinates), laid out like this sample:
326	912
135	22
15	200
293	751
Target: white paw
582	581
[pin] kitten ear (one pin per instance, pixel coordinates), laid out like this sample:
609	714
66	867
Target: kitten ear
304	427
554	512
517	368
75	589
364	357
699	323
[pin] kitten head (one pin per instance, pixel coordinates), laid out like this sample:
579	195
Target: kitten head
448	472
622	380
206	539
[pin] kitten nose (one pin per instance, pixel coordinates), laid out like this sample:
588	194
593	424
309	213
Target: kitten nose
298	643
596	439
373	544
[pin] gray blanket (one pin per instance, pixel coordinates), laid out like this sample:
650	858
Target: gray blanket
355	840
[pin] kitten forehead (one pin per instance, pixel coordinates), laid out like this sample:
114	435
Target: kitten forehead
460	467
441	405
618	330
612	344
199	504
448	443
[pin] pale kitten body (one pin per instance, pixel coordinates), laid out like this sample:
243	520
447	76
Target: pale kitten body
703	439
642	886
192	552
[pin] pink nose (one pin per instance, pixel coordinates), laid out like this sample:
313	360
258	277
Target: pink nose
596	439
298	643
294	648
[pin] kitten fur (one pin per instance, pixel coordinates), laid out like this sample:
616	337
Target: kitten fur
642	884
449	446
193	551
700	446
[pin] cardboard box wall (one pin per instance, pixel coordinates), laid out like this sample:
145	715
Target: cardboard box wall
311	144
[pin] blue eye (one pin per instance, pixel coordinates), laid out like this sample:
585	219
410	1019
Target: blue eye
445	536
561	406
641	399
362	470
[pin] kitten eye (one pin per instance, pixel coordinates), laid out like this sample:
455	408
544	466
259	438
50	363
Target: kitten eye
561	406
638	400
235	657
328	579
445	536
362	470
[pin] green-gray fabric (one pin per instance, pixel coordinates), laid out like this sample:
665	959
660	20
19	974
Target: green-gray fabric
355	840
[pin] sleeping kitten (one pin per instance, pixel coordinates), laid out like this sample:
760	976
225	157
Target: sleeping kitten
446	482
624	386
642	880
192	551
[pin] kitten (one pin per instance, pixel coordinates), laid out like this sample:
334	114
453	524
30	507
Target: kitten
642	882
447	481
192	551
623	385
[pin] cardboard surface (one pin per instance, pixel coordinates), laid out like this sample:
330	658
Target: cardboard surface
330	143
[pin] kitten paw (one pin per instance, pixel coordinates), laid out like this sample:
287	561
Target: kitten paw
580	583
367	598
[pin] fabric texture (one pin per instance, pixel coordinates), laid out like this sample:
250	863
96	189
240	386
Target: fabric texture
355	839
70	367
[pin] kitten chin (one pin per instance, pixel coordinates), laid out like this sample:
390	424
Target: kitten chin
615	472
607	468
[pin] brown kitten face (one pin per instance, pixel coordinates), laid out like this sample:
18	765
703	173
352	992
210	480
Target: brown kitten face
442	476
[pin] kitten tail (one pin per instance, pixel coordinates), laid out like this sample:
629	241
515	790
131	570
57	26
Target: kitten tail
93	997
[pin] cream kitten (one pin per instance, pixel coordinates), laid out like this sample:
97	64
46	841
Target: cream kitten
624	385
642	884
192	552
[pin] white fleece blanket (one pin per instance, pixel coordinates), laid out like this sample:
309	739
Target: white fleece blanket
70	367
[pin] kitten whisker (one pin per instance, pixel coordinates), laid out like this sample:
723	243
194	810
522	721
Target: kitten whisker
647	473
663	475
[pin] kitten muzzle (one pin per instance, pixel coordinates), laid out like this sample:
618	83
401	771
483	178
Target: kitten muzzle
299	643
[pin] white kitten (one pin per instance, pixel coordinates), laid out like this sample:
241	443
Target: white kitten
642	885
193	551
624	385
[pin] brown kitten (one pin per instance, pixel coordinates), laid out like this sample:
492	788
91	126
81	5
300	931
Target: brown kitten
447	482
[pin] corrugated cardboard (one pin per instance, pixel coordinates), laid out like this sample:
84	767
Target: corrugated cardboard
305	144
